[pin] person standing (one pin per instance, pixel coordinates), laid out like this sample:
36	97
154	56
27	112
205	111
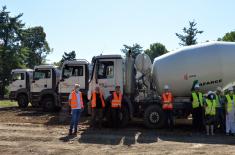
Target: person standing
230	112
76	104
210	112
197	111
167	106
220	110
97	105
116	103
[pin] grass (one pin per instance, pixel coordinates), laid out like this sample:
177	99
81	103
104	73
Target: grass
7	103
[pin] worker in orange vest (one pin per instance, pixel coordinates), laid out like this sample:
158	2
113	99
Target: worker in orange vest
116	103
76	104
97	105
167	106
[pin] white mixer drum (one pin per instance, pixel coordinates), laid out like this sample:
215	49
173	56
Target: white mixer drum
143	63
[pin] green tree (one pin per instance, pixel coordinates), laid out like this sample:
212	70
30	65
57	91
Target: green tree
189	36
68	56
34	39
155	50
230	36
135	50
12	55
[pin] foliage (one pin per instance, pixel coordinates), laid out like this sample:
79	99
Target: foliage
189	36
230	36
34	39
135	50
19	47
155	50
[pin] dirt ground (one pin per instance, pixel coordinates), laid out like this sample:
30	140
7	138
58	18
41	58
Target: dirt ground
32	131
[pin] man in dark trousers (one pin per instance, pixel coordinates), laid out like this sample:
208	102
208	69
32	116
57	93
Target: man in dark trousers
197	109
116	103
97	105
167	106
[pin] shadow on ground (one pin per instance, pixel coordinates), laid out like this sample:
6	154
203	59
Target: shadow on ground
132	134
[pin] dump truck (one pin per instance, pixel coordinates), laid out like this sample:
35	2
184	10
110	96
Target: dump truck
44	87
209	64
75	71
20	86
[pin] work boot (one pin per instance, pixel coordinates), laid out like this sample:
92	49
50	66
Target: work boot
70	132
75	132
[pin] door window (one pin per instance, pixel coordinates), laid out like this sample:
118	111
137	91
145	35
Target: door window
69	71
17	76
105	70
42	74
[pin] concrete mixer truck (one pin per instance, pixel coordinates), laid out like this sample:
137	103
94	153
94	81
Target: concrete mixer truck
210	64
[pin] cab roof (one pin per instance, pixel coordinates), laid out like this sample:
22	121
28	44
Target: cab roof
76	62
21	70
45	67
109	56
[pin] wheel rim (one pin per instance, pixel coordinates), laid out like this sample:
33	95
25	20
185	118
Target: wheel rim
22	101
154	117
49	105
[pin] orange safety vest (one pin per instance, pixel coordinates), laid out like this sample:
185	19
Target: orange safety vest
116	101
167	101
93	101
74	101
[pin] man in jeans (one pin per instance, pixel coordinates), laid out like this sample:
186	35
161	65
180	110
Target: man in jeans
76	104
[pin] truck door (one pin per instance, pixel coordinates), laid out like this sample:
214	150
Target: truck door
109	75
42	80
72	75
18	81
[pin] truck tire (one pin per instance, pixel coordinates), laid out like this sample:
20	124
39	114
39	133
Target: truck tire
154	117
22	101
48	104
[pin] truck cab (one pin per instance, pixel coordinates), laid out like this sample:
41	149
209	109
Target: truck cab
44	87
108	72
20	86
76	71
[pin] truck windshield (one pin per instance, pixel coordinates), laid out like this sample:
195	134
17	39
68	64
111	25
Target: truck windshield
69	71
17	76
42	74
105	70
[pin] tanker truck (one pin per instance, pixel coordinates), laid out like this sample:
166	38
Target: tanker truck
209	64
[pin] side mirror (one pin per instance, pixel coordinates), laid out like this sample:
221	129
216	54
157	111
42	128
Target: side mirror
61	80
33	81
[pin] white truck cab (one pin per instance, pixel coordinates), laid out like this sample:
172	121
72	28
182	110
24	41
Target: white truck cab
44	87
20	86
107	72
76	71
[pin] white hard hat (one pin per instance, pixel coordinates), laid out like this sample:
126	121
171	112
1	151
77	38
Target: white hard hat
230	88
166	87
196	85
210	92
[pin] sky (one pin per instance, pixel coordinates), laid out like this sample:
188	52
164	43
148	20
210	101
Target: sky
94	27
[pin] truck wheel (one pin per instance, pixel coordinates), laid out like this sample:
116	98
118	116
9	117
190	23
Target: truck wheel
154	117
22	101
48	104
